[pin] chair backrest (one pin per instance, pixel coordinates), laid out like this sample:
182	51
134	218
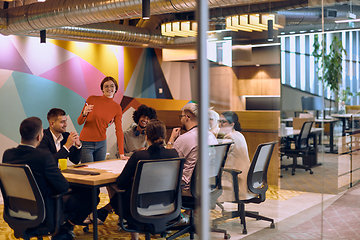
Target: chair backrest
352	108
303	138
216	161
24	205
257	175
156	192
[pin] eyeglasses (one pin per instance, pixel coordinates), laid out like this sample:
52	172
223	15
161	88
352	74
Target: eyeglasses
180	116
222	121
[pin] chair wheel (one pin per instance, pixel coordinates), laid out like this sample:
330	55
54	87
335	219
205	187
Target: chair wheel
286	169
227	236
86	229
244	231
272	225
311	172
163	235
293	173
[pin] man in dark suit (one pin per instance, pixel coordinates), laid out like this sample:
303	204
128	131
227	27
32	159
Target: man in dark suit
60	143
48	176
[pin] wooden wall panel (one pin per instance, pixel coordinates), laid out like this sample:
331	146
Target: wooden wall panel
261	127
261	72
263	80
221	85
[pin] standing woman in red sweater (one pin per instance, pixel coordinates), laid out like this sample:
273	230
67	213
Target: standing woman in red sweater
98	113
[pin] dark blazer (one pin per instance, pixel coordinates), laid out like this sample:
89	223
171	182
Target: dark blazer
46	172
125	179
48	143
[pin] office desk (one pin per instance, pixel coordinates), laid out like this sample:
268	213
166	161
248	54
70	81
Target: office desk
344	118
109	170
314	132
331	122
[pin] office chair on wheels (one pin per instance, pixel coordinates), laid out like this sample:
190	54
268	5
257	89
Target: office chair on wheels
24	207
257	184
155	202
302	148
217	158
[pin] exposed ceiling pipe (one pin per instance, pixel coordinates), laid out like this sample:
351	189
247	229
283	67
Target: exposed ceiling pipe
57	14
60	13
313	15
116	34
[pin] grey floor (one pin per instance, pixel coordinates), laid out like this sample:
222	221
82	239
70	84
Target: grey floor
313	194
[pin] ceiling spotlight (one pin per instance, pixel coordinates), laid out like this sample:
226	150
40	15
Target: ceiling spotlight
43	36
145	9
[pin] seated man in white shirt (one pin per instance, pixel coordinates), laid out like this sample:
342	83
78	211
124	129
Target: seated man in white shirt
60	143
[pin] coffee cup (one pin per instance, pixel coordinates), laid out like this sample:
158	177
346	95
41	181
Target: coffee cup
63	163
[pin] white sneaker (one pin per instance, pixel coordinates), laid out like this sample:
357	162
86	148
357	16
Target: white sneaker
90	218
185	219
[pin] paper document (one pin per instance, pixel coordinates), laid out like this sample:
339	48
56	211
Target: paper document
110	166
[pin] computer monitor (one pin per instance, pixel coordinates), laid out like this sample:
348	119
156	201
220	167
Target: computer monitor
311	103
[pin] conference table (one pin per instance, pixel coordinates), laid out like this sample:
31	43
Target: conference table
109	170
314	131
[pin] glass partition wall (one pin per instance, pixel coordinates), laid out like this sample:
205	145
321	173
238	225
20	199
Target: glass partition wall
274	86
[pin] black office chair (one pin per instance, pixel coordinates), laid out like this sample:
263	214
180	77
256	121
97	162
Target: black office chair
155	202
302	148
257	184
24	207
217	158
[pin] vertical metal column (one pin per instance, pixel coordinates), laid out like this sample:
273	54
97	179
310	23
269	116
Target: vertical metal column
203	122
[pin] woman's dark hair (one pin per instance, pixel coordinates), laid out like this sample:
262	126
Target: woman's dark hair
232	117
144	110
155	131
108	78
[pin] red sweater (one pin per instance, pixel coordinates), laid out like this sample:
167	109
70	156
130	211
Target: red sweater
97	121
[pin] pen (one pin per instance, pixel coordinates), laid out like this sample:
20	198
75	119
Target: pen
86	103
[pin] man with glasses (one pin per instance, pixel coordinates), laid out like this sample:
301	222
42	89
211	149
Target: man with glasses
187	146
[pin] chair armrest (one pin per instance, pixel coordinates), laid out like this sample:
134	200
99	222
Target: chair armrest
119	192
232	171
59	216
117	189
61	194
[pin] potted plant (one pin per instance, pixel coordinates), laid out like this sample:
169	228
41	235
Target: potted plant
330	69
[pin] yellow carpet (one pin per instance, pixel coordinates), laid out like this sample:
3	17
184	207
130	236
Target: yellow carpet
109	229
106	231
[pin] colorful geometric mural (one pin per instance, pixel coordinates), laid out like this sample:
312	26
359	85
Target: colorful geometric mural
148	80
36	77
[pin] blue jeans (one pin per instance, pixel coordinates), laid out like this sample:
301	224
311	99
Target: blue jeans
93	151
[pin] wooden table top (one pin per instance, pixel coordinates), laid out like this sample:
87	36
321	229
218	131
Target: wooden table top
109	170
326	120
290	131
